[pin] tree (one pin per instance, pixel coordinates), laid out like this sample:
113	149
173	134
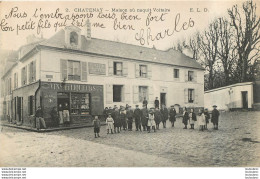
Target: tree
227	52
246	25
208	47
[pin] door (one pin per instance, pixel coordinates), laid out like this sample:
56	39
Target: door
63	98
163	99
244	99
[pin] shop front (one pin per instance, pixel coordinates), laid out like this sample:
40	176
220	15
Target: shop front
82	100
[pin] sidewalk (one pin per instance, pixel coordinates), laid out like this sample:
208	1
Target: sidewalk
72	126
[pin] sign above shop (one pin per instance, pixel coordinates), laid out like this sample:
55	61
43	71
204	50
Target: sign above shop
97	68
72	87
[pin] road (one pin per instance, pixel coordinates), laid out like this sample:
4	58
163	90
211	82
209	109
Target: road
235	144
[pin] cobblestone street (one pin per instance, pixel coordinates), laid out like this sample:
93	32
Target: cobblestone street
236	143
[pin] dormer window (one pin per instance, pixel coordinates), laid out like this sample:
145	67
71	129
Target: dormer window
73	38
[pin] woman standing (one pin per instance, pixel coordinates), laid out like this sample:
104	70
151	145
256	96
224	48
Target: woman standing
172	115
201	120
192	119
185	117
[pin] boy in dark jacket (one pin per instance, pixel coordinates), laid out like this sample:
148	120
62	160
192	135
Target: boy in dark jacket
137	116
96	124
214	117
129	116
172	114
164	112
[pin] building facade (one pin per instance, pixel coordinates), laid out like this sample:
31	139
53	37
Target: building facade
90	74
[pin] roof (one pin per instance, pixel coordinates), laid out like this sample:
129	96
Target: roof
230	86
123	50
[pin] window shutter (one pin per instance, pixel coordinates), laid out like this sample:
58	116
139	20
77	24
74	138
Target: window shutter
149	71
150	97
135	94
29	73
127	94
63	69
34	71
110	67
25	75
186	75
125	69
185	95
28	105
137	70
84	75
196	97
109	93
195	76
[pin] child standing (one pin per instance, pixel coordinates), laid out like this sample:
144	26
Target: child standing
201	120
151	122
192	119
207	117
110	123
96	124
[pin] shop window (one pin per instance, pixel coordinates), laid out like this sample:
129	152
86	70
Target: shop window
143	93
74	70
80	103
30	105
118	68
190	75
117	93
176	73
73	38
190	95
143	71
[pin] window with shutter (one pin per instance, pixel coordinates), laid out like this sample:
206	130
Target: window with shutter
63	69
74	72
118	68
191	95
149	71
84	71
143	93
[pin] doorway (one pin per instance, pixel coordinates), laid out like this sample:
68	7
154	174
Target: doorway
63	98
244	99
163	99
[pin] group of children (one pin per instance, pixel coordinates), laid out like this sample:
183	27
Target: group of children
117	119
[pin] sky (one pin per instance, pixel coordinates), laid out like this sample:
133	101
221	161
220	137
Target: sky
195	15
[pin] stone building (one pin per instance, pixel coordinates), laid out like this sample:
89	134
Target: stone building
90	74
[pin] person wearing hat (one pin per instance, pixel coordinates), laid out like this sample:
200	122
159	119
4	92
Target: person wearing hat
145	102
164	112
156	103
201	120
207	117
110	123
151	122
129	116
185	117
157	117
214	117
39	118
137	116
172	114
144	117
123	118
117	120
192	119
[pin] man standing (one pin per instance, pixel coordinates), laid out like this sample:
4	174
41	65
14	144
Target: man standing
215	116
39	118
129	116
144	117
164	112
137	116
156	103
145	102
66	114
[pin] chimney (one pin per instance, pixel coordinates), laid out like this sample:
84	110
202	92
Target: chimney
88	30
